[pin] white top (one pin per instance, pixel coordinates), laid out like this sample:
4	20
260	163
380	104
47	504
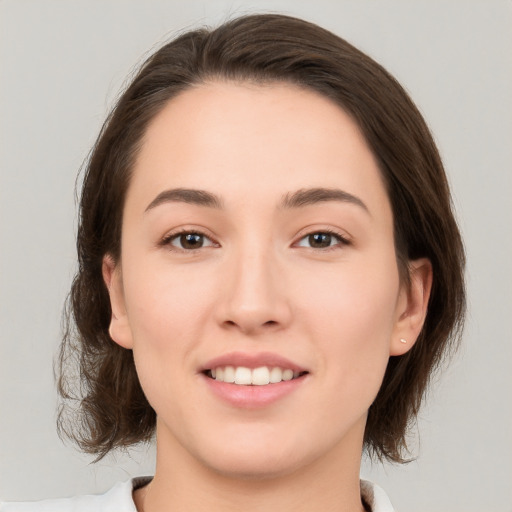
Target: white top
119	499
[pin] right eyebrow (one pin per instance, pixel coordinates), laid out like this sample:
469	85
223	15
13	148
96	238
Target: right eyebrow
186	195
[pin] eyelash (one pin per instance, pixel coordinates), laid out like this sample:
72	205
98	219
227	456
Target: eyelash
341	240
167	240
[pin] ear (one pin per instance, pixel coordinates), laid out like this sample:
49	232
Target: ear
119	329
412	307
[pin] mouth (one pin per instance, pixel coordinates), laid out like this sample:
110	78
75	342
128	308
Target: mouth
259	376
252	381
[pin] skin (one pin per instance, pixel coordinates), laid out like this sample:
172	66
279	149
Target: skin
258	284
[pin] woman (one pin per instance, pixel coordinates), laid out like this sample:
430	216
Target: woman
269	273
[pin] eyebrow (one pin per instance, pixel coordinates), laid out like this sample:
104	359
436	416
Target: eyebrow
310	196
186	195
298	199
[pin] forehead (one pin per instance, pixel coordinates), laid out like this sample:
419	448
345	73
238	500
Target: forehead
243	139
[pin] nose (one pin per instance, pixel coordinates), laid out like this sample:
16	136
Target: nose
254	299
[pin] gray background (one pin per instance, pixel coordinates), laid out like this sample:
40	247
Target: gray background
62	65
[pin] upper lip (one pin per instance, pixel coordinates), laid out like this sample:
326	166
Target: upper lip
252	361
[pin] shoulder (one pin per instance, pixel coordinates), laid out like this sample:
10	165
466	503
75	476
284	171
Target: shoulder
117	499
375	497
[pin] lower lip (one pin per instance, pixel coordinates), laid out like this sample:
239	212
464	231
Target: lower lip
253	397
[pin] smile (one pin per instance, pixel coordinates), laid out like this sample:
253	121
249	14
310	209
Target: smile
244	376
253	380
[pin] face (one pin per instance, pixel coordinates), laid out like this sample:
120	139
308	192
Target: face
257	246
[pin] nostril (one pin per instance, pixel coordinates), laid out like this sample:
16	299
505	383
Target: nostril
269	323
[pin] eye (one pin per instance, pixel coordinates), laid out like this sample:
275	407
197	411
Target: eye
188	241
322	240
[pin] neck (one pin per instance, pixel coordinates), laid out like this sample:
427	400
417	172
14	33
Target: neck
182	483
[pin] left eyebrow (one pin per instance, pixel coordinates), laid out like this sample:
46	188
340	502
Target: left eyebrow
310	196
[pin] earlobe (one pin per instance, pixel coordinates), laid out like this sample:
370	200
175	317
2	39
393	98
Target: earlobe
412	307
119	328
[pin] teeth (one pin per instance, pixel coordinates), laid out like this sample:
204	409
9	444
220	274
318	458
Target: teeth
243	376
287	374
261	376
276	375
257	377
229	374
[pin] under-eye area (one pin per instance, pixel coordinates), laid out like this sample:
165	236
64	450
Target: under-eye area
260	376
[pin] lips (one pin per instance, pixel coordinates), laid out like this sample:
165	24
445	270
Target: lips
252	380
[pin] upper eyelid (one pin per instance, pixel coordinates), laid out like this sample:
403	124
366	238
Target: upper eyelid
341	240
341	234
172	235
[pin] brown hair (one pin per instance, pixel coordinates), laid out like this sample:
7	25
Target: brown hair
112	410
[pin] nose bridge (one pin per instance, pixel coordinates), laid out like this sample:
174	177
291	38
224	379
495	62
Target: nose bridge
254	269
255	298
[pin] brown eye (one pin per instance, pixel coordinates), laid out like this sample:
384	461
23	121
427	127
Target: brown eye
322	240
319	240
189	241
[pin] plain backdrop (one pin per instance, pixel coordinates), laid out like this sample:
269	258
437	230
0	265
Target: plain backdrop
62	64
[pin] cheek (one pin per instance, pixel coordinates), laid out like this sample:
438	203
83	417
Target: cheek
351	314
170	313
165	306
356	299
166	314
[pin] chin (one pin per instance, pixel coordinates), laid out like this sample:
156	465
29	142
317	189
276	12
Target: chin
257	455
249	467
